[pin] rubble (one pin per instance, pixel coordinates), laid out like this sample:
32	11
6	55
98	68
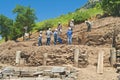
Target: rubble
89	43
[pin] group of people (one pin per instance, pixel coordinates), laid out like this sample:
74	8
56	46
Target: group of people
58	31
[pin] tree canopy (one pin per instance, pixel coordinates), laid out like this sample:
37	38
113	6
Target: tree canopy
5	27
25	18
111	7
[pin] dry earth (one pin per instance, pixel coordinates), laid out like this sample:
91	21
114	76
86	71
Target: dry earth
100	38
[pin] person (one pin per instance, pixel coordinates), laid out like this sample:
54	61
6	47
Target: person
55	36
48	34
69	36
40	39
71	24
89	25
59	28
59	39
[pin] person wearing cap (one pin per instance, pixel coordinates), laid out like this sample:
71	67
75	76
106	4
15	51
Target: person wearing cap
40	32
40	39
48	34
69	35
59	27
89	25
71	24
55	36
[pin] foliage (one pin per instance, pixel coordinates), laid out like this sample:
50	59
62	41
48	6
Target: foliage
98	5
25	18
111	7
82	15
6	26
46	25
78	16
1	41
54	22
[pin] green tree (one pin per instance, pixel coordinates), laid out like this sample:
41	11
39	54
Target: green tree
25	18
111	7
5	27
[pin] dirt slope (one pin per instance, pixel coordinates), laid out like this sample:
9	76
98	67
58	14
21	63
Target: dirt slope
100	38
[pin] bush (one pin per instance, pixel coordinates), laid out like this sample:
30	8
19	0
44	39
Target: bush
45	26
111	7
81	17
78	16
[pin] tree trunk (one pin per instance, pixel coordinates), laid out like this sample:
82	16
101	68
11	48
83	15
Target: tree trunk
6	38
23	37
29	35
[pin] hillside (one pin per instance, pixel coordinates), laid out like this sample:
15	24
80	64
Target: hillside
89	43
80	15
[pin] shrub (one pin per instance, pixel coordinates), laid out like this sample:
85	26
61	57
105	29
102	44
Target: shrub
81	17
111	7
45	26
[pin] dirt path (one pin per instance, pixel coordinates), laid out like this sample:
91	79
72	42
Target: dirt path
89	73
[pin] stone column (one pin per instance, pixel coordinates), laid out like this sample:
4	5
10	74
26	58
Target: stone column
76	57
18	56
45	59
112	56
100	64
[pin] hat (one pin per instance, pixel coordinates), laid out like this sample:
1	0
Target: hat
69	28
56	29
49	28
40	32
72	19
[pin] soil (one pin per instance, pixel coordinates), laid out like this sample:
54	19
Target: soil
100	38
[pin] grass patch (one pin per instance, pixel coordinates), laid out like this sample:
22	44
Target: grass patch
2	40
79	16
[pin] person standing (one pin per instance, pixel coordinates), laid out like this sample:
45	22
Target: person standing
55	36
89	25
71	24
59	28
40	39
69	35
48	34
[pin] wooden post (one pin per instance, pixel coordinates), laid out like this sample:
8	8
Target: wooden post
18	56
76	57
45	59
100	62
112	56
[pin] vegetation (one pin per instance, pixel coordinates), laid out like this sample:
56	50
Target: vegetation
10	29
45	25
78	16
25	17
82	15
25	20
5	27
2	40
53	22
111	7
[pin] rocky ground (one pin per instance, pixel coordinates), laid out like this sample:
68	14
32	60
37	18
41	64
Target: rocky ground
90	43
